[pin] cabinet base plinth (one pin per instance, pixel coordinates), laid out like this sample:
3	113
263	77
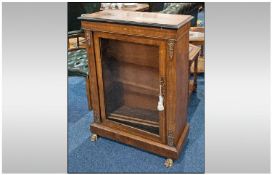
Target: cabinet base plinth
142	143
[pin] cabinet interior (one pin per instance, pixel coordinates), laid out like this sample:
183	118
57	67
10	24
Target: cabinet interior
131	83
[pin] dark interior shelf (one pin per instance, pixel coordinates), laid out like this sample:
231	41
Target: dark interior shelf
139	118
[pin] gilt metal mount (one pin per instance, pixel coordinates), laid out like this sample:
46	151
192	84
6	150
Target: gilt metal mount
171	46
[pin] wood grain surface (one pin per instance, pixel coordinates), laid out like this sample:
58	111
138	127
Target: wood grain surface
139	18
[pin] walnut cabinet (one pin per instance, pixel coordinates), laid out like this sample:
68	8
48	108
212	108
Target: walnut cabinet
139	78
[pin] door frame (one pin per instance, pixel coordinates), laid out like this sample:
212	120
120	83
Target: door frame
162	76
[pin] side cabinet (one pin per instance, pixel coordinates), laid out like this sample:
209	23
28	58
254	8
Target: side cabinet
139	79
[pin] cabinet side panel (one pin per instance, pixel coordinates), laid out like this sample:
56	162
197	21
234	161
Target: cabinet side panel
93	77
182	83
171	92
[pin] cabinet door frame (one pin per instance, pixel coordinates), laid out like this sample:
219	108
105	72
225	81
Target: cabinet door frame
162	76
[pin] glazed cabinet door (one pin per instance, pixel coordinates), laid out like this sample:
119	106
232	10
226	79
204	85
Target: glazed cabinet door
131	83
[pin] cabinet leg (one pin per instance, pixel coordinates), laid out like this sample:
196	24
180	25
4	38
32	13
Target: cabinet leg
88	92
195	74
168	163
93	137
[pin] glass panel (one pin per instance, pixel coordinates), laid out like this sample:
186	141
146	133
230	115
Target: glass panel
131	83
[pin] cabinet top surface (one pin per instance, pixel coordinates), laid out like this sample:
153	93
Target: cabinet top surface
148	19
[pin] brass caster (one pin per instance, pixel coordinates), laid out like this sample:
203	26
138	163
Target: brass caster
93	137
168	163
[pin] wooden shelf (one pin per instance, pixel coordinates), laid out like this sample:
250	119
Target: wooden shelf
133	77
147	116
139	88
135	117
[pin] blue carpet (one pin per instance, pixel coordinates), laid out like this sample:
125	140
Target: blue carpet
77	101
107	156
